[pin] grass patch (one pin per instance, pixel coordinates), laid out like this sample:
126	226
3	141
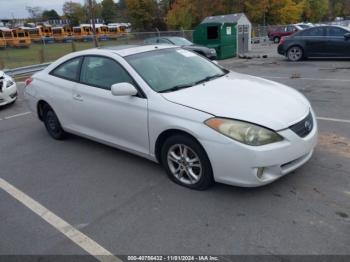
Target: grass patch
39	53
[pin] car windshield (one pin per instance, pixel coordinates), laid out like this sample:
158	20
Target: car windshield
180	41
172	69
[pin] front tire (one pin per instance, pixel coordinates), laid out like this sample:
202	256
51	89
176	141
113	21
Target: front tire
52	124
295	53
187	163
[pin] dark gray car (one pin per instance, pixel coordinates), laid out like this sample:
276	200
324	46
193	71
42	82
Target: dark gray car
184	43
322	41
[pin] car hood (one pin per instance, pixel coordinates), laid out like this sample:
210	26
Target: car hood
196	47
246	98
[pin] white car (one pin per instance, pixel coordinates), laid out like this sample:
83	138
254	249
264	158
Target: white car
202	122
8	89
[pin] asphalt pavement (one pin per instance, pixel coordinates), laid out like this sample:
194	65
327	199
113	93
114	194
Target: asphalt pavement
127	205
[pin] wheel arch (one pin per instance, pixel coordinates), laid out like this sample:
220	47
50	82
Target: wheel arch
162	137
40	108
298	45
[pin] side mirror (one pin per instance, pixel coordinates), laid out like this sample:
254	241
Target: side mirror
123	89
347	35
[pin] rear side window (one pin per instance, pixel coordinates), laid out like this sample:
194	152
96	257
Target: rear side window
336	31
68	70
317	31
103	72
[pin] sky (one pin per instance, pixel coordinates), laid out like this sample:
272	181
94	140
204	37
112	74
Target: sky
17	8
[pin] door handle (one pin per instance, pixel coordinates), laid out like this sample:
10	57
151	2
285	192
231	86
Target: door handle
78	97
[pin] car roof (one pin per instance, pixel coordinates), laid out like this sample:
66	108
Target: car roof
126	50
338	26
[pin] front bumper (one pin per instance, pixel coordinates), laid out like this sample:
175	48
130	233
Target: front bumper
8	95
237	164
281	50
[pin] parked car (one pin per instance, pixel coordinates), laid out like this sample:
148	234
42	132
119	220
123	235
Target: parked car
322	41
203	123
276	34
8	89
184	43
305	25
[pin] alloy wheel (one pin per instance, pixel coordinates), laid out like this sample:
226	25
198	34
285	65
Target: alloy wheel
184	164
295	53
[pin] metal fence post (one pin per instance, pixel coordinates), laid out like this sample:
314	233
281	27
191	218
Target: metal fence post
42	52
74	48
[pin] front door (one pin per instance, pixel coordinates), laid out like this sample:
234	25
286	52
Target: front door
337	44
119	120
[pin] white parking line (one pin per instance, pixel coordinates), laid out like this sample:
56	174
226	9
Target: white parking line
86	243
17	115
334	120
307	78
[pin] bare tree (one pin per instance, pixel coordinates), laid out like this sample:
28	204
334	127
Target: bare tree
35	13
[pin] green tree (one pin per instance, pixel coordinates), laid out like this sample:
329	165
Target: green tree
316	10
257	10
75	12
188	13
339	8
50	15
108	11
122	12
143	13
180	15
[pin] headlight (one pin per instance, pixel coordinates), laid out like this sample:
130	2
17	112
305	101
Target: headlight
244	132
9	83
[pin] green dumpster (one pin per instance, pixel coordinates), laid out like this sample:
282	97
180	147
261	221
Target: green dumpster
221	36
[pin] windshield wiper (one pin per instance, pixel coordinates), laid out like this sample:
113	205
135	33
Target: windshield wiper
179	87
208	78
176	88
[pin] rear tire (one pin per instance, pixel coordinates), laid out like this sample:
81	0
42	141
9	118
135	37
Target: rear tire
187	163
276	39
52	124
295	54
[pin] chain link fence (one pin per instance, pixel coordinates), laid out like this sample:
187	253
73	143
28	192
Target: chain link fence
43	51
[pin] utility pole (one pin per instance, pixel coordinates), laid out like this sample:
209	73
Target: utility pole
92	18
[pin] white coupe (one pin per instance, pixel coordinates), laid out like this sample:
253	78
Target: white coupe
203	123
8	89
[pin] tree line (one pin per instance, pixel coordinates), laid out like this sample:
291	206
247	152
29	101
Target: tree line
176	14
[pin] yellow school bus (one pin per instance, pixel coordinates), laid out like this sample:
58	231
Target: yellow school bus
62	34
113	32
7	36
40	33
21	38
82	32
2	39
101	32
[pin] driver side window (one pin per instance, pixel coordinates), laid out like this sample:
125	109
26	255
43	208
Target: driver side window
103	72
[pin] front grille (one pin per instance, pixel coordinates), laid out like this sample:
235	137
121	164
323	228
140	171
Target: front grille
304	127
